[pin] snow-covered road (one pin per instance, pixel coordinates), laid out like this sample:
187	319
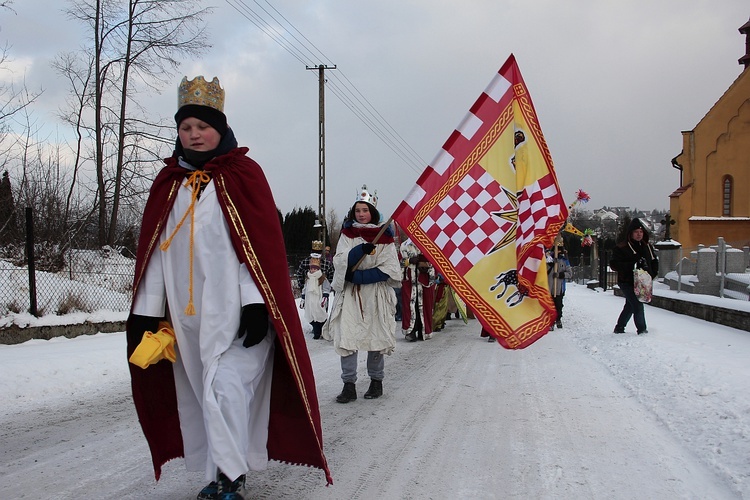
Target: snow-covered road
580	414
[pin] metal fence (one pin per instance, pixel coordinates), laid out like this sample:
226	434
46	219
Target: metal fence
90	280
584	275
97	280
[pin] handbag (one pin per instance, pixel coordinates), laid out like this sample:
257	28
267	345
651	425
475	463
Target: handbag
642	285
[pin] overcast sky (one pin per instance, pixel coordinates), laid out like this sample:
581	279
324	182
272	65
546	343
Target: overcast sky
614	82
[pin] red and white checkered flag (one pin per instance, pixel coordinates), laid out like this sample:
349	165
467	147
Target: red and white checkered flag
485	208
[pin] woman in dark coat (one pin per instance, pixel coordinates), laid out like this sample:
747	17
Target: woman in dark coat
634	252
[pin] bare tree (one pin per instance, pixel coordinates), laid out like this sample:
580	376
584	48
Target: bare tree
12	99
76	69
334	229
136	46
41	178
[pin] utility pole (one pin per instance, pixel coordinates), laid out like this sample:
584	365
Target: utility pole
321	152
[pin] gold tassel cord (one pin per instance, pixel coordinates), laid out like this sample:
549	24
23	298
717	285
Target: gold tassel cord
195	180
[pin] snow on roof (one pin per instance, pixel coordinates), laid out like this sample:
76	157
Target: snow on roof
606	214
728	219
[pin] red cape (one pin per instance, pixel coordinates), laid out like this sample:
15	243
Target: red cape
294	434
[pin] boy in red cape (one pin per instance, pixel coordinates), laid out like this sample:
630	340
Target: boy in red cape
211	261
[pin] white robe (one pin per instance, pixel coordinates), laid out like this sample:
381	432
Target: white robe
411	274
223	389
313	293
363	316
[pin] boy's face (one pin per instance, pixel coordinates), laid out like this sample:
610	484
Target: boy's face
198	135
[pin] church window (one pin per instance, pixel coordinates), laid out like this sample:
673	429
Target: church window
727	197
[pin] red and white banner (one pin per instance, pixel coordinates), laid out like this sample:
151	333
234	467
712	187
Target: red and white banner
485	208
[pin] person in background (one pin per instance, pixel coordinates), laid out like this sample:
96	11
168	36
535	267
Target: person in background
452	306
329	259
440	311
366	271
315	289
417	293
398	303
324	264
211	265
634	252
485	334
558	272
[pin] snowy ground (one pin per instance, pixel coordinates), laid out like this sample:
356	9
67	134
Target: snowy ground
580	414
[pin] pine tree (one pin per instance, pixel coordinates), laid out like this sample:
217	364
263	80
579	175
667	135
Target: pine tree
299	231
8	227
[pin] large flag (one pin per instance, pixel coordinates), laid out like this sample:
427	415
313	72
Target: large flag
485	208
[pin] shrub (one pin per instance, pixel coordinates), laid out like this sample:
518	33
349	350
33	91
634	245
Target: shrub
72	302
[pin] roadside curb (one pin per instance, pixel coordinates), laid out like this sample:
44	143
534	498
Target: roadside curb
15	334
713	314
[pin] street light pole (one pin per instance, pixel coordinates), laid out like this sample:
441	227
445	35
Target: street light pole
321	152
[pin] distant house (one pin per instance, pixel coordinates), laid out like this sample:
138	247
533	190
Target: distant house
605	215
713	198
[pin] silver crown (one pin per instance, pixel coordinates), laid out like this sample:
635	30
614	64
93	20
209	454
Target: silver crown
364	195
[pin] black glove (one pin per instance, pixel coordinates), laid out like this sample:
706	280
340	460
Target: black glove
254	323
368	248
641	264
138	325
561	275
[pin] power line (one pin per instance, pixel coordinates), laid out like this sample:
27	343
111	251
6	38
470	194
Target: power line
269	30
384	123
295	29
272	23
364	118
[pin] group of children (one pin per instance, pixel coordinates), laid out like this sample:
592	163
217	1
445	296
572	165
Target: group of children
211	277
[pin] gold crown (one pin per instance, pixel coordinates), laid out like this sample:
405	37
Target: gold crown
199	91
317	245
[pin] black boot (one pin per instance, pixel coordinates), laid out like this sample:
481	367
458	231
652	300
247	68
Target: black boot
317	328
231	490
209	492
375	390
414	335
349	393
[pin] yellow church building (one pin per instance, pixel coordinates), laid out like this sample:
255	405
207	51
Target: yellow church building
713	199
